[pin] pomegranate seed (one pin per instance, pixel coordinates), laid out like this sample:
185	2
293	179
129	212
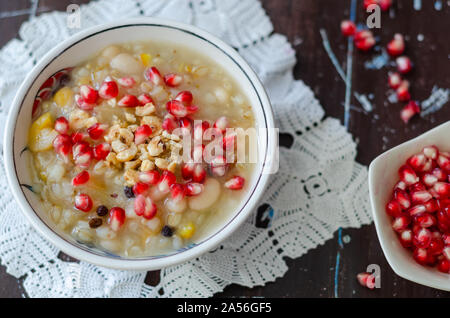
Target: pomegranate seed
403	94
191	109
186	123
176	108
140	188
422	238
402	198
169	123
126	81
426	220
185	97
197	153
442	189
364	40
177	192
108	90
436	246
444	266
421	196
408	175
237	183
417	162
82	154
145	99
80	178
79	136
166	181
89	94
393	208
82	104
221	123
101	151
366	280
394	80
427	166
368	3
446	252
431	152
409	111
187	170
62	125
396	46
193	188
199	130
141	134
199	173
144	206
439	174
153	75
149	177
404	64
401	223
385	4
129	101
97	130
406	238
446	239
116	218
400	185
421	256
348	28
444	162
218	166
431	206
417	187
417	210
83	202
172	79
62	145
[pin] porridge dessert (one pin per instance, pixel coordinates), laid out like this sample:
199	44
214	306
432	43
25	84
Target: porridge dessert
134	152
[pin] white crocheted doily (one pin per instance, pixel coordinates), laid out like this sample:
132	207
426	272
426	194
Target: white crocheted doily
318	189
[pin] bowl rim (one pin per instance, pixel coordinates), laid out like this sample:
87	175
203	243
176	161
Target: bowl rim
138	263
389	253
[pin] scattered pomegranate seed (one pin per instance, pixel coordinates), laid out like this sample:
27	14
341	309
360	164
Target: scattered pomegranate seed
394	80
442	189
364	40
385	4
368	3
348	28
444	266
407	175
101	151
89	94
108	90
176	108
404	64
421	196
166	181
199	173
218	166
393	208
141	134
153	75
439	174
409	111
235	183
199	130
401	223
149	177
366	280
127	82
406	238
185	97
173	80
421	256
62	145
82	154
403	94
97	130
444	162
436	246
426	220
129	101
417	162
397	45
80	178
144	206
62	125
402	198
197	153
187	170
177	192
221	123
169	123
431	206
140	188
145	99
400	185
193	188
417	210
83	202
116	218
83	104
79	136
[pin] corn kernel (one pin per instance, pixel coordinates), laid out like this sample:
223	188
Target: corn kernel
63	96
146	59
187	230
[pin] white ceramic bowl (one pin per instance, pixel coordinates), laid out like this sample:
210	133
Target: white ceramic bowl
79	48
383	175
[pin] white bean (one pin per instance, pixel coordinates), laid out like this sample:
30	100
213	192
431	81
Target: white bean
125	63
210	194
174	206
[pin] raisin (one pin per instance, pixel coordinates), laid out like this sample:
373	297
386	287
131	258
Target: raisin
95	223
167	231
102	210
128	192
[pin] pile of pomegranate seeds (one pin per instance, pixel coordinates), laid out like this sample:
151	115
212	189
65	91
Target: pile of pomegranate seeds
420	207
364	40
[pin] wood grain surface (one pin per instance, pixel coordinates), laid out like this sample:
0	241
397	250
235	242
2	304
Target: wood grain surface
318	273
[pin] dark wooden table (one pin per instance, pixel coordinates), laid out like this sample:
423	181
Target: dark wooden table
313	275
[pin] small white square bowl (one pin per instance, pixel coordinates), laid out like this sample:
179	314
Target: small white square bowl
383	175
